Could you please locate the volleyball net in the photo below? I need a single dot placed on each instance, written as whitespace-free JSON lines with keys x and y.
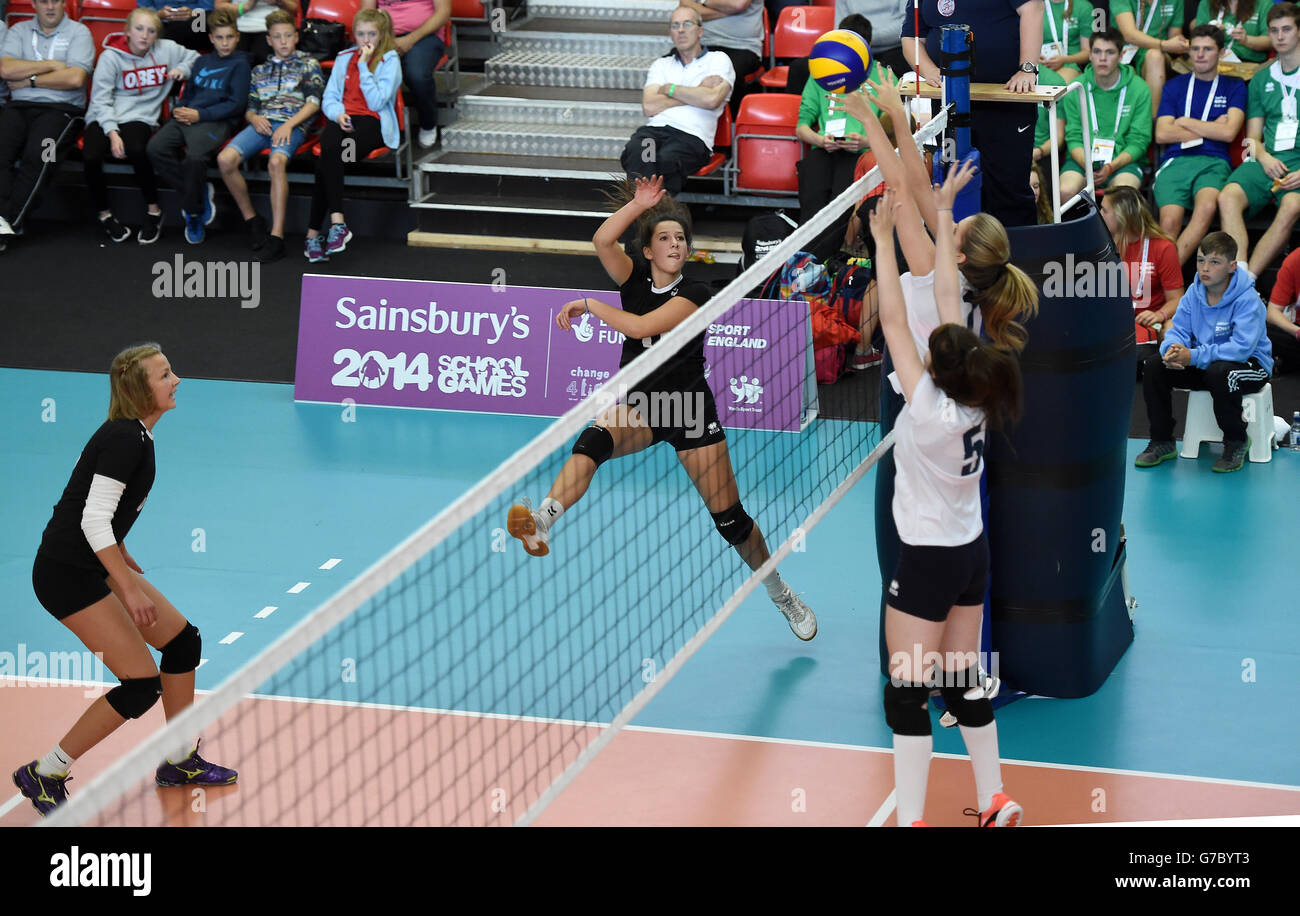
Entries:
{"x":460,"y":681}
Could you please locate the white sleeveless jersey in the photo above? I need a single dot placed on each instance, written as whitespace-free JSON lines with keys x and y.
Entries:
{"x":923,"y":313}
{"x":939,"y":454}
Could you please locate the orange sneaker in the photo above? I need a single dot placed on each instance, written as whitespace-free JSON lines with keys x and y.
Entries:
{"x":920,"y":824}
{"x":521,"y":522}
{"x":1002,"y":813}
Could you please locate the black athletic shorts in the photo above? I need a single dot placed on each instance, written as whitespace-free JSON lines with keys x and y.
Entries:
{"x":929,"y":581}
{"x":63,"y":590}
{"x":685,"y":417}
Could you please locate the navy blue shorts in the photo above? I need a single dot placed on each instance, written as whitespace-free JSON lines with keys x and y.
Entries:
{"x":929,"y":581}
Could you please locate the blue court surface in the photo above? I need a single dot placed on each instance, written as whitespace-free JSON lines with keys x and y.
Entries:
{"x":271,"y":491}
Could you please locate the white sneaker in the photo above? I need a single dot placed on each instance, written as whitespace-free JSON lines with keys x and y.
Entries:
{"x":802,"y":621}
{"x":428,"y":137}
{"x":5,"y":228}
{"x":522,"y":522}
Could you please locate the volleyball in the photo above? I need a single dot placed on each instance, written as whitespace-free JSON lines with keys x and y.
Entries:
{"x":839,"y":61}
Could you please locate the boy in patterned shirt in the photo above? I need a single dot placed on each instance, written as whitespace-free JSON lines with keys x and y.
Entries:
{"x":283,"y":97}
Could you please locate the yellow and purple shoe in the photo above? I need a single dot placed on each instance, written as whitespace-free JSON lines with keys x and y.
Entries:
{"x":194,"y":771}
{"x":1002,"y":813}
{"x":44,"y":792}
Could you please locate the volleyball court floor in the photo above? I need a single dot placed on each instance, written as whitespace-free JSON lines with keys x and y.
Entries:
{"x":757,"y":728}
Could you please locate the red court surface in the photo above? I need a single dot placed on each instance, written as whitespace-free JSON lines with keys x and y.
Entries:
{"x":383,"y":764}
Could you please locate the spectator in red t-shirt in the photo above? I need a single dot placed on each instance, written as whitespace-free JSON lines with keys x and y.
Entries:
{"x":1155,"y":279}
{"x":1283,"y":329}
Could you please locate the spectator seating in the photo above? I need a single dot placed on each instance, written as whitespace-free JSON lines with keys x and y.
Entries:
{"x":470,"y":10}
{"x":766,"y":149}
{"x":797,"y":29}
{"x":399,"y":107}
{"x":721,"y":140}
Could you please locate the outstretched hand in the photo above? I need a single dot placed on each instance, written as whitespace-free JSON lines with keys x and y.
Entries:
{"x":885,"y":95}
{"x":854,"y":104}
{"x":958,"y":177}
{"x":569,"y":311}
{"x":649,"y":191}
{"x":882,"y":218}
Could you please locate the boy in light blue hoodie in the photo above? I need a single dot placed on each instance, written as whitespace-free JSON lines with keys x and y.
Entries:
{"x":1218,"y":344}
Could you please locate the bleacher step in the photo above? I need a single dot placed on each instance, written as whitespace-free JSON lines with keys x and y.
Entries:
{"x":583,"y":71}
{"x":622,"y":10}
{"x":625,"y":116}
{"x":585,"y":44}
{"x":576,"y":141}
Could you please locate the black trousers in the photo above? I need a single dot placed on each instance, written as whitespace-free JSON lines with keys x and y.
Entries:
{"x":1004,"y":134}
{"x":1226,"y":382}
{"x":198,"y":144}
{"x":1286,"y":351}
{"x":666,"y":151}
{"x":336,"y":152}
{"x":135,"y":137}
{"x":822,"y":176}
{"x":26,"y":129}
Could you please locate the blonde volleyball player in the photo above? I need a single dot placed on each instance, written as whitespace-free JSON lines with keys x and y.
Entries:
{"x":656,"y":297}
{"x":954,"y":393}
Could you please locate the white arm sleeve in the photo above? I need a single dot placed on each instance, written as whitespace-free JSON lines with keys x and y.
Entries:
{"x":97,"y":516}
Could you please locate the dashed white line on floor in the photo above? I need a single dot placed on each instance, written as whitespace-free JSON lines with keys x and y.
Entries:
{"x":331,"y":563}
{"x":299,"y":587}
{"x":266,"y":611}
{"x":231,"y":637}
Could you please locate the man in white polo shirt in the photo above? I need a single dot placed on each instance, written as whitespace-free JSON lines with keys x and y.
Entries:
{"x":684,"y":95}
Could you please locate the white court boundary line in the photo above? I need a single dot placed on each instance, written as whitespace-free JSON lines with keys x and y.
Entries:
{"x":135,"y":767}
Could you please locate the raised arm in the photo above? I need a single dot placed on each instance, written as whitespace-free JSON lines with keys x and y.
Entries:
{"x":649,"y":191}
{"x":893,"y":309}
{"x":947,"y":287}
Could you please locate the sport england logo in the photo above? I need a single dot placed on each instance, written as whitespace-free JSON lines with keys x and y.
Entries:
{"x":746,"y":390}
{"x":734,"y":335}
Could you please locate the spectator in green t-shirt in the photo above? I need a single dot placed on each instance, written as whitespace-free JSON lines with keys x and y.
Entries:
{"x":1273,"y":174}
{"x":1155,"y":27}
{"x":835,"y":140}
{"x":1245,"y":24}
{"x":1117,"y":105}
{"x":1067,"y":29}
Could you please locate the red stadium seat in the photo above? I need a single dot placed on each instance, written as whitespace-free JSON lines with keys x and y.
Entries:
{"x":797,"y":29}
{"x":341,"y":11}
{"x":830,"y":3}
{"x":104,"y":18}
{"x":23,"y":9}
{"x":765,"y":54}
{"x":766,"y":149}
{"x":470,"y":10}
{"x":1235,"y":148}
{"x":721,"y":138}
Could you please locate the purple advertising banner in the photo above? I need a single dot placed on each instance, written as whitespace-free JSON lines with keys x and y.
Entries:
{"x":489,"y":349}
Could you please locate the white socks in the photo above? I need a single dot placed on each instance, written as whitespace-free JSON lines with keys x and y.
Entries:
{"x":55,"y":763}
{"x":775,"y":585}
{"x":181,"y":752}
{"x":911,"y":773}
{"x":548,"y":512}
{"x":982,"y":745}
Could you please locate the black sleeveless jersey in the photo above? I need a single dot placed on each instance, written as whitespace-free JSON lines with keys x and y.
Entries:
{"x":122,"y":450}
{"x":684,"y":370}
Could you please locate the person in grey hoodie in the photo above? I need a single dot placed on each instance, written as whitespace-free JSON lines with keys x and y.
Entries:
{"x":1217,"y":344}
{"x":132,"y":80}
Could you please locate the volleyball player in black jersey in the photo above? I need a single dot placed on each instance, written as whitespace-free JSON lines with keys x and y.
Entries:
{"x":656,"y":297}
{"x":85,"y":577}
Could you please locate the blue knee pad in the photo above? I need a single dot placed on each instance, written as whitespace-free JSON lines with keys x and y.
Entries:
{"x":905,"y":709}
{"x":181,"y":655}
{"x":132,"y":698}
{"x":733,"y":524}
{"x":596,"y":443}
{"x":971,"y":713}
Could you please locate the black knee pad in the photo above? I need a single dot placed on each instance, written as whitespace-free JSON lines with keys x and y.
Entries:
{"x":132,"y":698}
{"x":596,"y":443}
{"x":181,"y":655}
{"x":971,"y":713}
{"x":733,"y":524}
{"x":905,"y":709}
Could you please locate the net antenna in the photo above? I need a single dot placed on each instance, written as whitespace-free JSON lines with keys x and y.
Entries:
{"x":107,"y":799}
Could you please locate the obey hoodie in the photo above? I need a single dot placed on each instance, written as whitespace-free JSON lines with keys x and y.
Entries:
{"x":129,"y":88}
{"x":1233,"y":330}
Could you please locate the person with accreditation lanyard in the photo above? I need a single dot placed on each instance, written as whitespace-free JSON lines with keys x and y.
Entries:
{"x":1067,"y":27}
{"x":1152,"y":31}
{"x":1246,"y":25}
{"x":1273,"y":174}
{"x":1117,"y":105}
{"x":1009,"y":41}
{"x":1200,"y":114}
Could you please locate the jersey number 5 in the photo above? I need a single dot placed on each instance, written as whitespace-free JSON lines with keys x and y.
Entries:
{"x":974,"y":441}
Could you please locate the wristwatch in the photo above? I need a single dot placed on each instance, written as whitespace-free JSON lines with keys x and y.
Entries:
{"x":32,"y":80}
{"x":1029,"y":67}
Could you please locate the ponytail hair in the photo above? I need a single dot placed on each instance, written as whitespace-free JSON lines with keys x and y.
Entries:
{"x":129,"y":394}
{"x":977,"y":374}
{"x":668,"y":209}
{"x":1004,"y":293}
